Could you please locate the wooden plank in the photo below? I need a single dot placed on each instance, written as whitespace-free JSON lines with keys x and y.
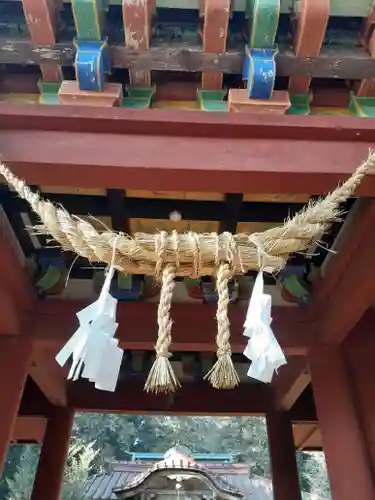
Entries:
{"x":42,"y":19}
{"x":55,"y":321}
{"x":215,"y":32}
{"x":331,"y":63}
{"x":311,"y":26}
{"x":137,"y":16}
{"x":192,"y":399}
{"x":197,"y":163}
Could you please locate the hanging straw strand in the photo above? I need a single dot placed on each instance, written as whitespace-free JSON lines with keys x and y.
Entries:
{"x":162,"y":378}
{"x":223,"y":374}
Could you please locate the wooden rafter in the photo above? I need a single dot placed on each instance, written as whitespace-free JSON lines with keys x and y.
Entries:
{"x":215,"y":31}
{"x":137,"y":17}
{"x":192,"y":399}
{"x":194,"y":327}
{"x":33,"y":144}
{"x":41,"y":17}
{"x":311,"y":26}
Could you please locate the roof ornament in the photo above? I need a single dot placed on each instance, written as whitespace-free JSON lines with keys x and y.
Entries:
{"x":190,"y":254}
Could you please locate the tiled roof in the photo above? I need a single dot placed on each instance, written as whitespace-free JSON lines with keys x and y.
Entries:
{"x":232,"y":478}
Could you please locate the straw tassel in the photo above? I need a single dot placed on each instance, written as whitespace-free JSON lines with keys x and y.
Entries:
{"x":162,"y":378}
{"x":223,"y":374}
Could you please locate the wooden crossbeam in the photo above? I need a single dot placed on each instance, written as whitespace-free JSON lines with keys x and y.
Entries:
{"x":310,"y":30}
{"x":366,"y":87}
{"x":194,"y":326}
{"x":42,"y":18}
{"x":332,"y":62}
{"x":191,"y":399}
{"x":32,"y":136}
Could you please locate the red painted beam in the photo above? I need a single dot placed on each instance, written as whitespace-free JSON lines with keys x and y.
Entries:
{"x":192,"y":399}
{"x":194,"y":326}
{"x":211,"y":151}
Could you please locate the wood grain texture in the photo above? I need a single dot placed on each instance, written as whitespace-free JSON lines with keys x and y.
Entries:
{"x":309,"y":34}
{"x":331,"y":63}
{"x":215,"y":32}
{"x":137,"y":16}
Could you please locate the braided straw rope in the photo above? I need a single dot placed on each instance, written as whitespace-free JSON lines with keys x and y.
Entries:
{"x":223,"y":375}
{"x":162,"y":377}
{"x":137,"y":255}
{"x":193,"y":255}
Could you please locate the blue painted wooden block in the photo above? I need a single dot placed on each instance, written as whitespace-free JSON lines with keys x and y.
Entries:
{"x":50,"y":275}
{"x":127,"y":288}
{"x":92,"y":64}
{"x":259,"y":70}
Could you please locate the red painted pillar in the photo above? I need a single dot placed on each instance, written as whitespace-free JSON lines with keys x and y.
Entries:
{"x":344,"y":444}
{"x":359,"y":348}
{"x":53,"y":455}
{"x":15,"y":356}
{"x":284,"y":469}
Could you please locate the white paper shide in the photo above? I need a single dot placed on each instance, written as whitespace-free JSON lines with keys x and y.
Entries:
{"x":95,"y":353}
{"x":262,"y":347}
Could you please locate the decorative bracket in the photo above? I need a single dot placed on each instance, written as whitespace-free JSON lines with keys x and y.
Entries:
{"x":362,"y":106}
{"x":259,"y":71}
{"x":138,"y":97}
{"x":212,"y":100}
{"x":92,"y":64}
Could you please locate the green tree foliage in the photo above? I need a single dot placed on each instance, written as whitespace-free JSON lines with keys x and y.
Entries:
{"x":80,"y":459}
{"x":115,"y":436}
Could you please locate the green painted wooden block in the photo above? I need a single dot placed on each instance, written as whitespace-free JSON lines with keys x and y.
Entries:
{"x":89,"y":18}
{"x":299,"y":104}
{"x":264,"y":20}
{"x":49,"y":92}
{"x":362,"y":106}
{"x":138,"y":97}
{"x":212,"y":100}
